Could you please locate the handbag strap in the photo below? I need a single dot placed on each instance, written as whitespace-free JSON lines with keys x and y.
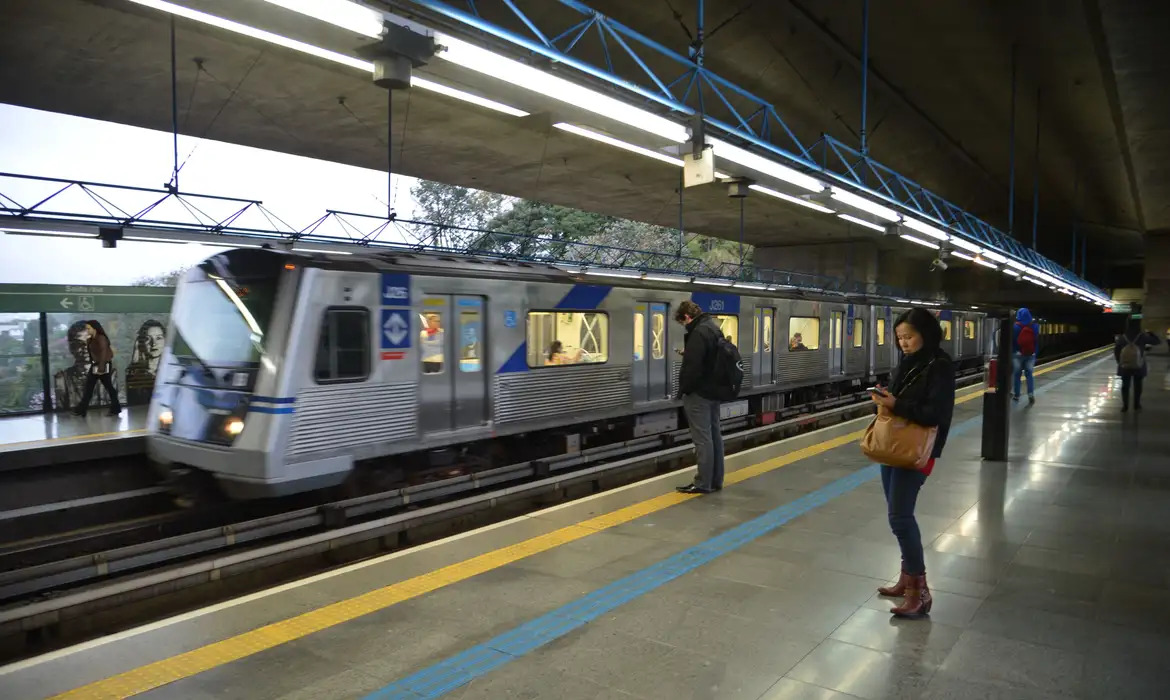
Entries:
{"x":914,"y":378}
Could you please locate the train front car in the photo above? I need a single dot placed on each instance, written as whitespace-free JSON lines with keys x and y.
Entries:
{"x":217,"y":407}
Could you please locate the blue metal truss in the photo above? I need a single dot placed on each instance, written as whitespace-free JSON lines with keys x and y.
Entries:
{"x":144,"y":212}
{"x":664,"y":78}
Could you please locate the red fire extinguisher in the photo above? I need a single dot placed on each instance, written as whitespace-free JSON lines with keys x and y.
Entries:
{"x":991,"y":374}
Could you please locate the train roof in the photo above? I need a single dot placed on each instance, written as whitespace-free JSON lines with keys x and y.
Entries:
{"x":455,"y":265}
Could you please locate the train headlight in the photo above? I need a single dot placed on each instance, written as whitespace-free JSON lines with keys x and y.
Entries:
{"x":166,"y":418}
{"x":233,"y":426}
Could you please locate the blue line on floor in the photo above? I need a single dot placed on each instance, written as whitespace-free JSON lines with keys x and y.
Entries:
{"x":479,"y":660}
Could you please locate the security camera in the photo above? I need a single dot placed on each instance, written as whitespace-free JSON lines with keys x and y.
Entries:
{"x":938,"y":264}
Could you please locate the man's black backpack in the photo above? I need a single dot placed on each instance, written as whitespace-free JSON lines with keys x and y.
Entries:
{"x":727,"y":370}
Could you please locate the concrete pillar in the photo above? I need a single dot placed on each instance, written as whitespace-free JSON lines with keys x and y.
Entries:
{"x":1156,"y":307}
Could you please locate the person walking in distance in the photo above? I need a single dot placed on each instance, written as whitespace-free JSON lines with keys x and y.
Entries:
{"x":101,"y":357}
{"x":1025,"y":337}
{"x":922,"y":391}
{"x":707,"y":377}
{"x":1130,"y":353}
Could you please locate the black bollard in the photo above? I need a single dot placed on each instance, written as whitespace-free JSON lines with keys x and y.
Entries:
{"x":997,"y":395}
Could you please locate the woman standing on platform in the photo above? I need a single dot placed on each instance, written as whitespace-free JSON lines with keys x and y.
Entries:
{"x":922,"y":390}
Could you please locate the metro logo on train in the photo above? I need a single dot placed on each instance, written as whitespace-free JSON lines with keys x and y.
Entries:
{"x":395,"y":289}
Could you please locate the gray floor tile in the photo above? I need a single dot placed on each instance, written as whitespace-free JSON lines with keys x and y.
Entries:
{"x":928,"y":640}
{"x":862,"y":672}
{"x":790,"y":689}
{"x":978,"y":656}
{"x":1035,"y":626}
{"x":944,"y":686}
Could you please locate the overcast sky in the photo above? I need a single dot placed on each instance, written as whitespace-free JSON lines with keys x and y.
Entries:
{"x":32,"y":142}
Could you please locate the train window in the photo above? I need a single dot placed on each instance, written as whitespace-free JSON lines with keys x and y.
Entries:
{"x":804,"y":333}
{"x":431,"y":343}
{"x":969,"y":330}
{"x":881,"y":332}
{"x":658,"y":335}
{"x":858,"y":333}
{"x":567,"y":338}
{"x":469,"y":341}
{"x":343,"y":352}
{"x":730,"y":327}
{"x":639,"y":335}
{"x":768,"y":330}
{"x":946,"y":329}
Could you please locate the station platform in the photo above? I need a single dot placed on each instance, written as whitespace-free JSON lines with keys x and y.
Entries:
{"x":59,"y":438}
{"x":1049,"y":575}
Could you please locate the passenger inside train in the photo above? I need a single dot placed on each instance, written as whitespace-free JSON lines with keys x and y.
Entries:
{"x":431,"y":343}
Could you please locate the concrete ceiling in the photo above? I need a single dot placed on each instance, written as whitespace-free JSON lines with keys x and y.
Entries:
{"x":939,"y":109}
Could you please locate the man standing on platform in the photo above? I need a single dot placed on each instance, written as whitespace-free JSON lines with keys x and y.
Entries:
{"x":696,"y":385}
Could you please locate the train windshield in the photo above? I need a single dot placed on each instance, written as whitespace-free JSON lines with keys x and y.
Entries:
{"x":222,"y":315}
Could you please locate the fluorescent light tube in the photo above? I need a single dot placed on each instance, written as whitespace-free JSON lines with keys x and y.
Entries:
{"x":965,"y":245}
{"x":319,"y":250}
{"x":992,"y":255}
{"x":624,"y":274}
{"x":860,"y":222}
{"x":496,"y":66}
{"x":1016,"y":265}
{"x":984,"y":263}
{"x":789,"y":198}
{"x":1011,"y":273}
{"x":425,"y":84}
{"x":962,"y":256}
{"x":864,"y":204}
{"x":924,"y":228}
{"x":750,"y":285}
{"x":197,"y":16}
{"x":667,"y":278}
{"x":714,"y":282}
{"x":590,"y":134}
{"x":919,"y":241}
{"x":760,"y":164}
{"x":340,"y":13}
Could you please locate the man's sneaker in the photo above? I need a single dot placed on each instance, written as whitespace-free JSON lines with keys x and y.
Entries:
{"x":1015,"y":397}
{"x":1031,"y":400}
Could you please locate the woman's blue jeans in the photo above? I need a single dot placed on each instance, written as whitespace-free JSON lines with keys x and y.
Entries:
{"x":901,"y":487}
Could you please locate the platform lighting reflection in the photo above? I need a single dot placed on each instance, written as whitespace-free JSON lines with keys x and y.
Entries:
{"x":618,"y":143}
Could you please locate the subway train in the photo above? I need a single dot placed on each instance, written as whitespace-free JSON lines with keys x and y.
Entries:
{"x":284,"y":371}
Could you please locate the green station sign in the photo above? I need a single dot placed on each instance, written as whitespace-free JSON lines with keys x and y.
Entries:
{"x":74,"y":299}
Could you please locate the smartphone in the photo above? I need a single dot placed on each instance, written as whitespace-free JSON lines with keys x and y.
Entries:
{"x":876,"y":390}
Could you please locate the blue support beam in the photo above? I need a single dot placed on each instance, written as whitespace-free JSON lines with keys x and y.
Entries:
{"x":771,"y":138}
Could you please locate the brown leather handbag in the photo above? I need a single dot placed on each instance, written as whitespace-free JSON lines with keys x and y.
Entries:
{"x":896,"y":441}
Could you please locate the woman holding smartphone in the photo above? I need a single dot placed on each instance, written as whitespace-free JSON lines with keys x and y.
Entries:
{"x":922,"y":390}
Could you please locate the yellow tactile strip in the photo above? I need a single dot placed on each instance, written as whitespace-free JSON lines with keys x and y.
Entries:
{"x":187,"y":664}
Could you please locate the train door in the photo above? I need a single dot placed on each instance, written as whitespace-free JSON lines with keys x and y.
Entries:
{"x":763,"y":364}
{"x":836,"y":344}
{"x":651,"y":371}
{"x":452,"y":384}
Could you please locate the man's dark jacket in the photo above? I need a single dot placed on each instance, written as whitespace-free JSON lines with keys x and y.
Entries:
{"x":700,"y":345}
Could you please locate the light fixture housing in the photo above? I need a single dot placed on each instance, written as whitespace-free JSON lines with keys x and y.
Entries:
{"x":789,"y":198}
{"x":750,"y":160}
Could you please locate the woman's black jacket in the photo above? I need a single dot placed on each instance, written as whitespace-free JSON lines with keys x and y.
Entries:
{"x":926,"y":394}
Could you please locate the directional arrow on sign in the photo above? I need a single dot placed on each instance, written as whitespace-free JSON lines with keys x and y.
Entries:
{"x":66,"y":303}
{"x":395,"y":329}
